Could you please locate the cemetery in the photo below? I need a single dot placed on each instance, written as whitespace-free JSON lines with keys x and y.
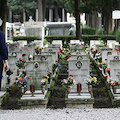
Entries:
{"x":76,"y":76}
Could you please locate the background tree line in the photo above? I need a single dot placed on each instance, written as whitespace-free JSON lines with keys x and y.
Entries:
{"x":90,"y":7}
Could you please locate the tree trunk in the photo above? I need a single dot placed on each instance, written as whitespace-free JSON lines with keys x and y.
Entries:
{"x":44,"y":9}
{"x":77,"y":17}
{"x":40,"y":10}
{"x":107,"y":22}
{"x":3,"y":6}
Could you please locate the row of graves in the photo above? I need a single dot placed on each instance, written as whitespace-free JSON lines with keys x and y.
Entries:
{"x":31,"y":68}
{"x":108,"y":60}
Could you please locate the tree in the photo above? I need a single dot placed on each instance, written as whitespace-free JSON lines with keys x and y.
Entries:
{"x":18,"y":6}
{"x":3,"y":6}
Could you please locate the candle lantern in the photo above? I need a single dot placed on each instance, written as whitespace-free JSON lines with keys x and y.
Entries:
{"x":32,"y":89}
{"x":79,"y":88}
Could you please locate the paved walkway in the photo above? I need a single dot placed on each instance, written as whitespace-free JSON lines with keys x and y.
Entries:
{"x":61,"y":114}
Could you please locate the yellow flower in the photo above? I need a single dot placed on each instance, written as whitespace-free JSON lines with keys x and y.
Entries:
{"x":45,"y":79}
{"x":46,"y":76}
{"x":103,"y":63}
{"x":94,"y":79}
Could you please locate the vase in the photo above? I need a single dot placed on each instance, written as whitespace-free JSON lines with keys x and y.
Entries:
{"x":22,"y":90}
{"x":114,"y":89}
{"x":89,"y":88}
{"x":18,"y":72}
{"x":8,"y":80}
{"x":68,"y":89}
{"x":43,"y":88}
{"x":49,"y":80}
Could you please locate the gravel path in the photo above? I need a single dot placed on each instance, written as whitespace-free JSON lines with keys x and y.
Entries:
{"x":61,"y":114}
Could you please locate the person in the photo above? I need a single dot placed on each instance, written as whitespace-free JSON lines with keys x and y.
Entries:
{"x":3,"y":55}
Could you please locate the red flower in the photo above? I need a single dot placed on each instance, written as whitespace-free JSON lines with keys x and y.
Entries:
{"x":113,"y":84}
{"x":71,"y":75}
{"x":48,"y":71}
{"x":108,"y":70}
{"x":105,"y":59}
{"x":28,"y":78}
{"x":61,"y":51}
{"x":118,"y":83}
{"x":23,"y":54}
{"x":109,"y":83}
{"x":14,"y":83}
{"x":20,"y":59}
{"x":106,"y":76}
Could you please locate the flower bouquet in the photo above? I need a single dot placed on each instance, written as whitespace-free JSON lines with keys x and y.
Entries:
{"x":91,"y":81}
{"x":49,"y":74}
{"x":21,"y":63}
{"x":43,"y":83}
{"x":69,"y":82}
{"x":113,"y":83}
{"x":38,"y":49}
{"x":44,"y":80}
{"x":9,"y":72}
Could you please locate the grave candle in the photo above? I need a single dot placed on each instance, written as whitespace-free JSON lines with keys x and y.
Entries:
{"x":32,"y":89}
{"x":79,"y":88}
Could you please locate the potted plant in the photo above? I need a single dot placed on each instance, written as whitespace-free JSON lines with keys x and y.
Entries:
{"x":113,"y":83}
{"x":91,"y":81}
{"x":9,"y":73}
{"x":69,"y":83}
{"x":49,"y":74}
{"x":43,"y":83}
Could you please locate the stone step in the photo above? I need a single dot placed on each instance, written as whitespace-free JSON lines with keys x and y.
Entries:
{"x":56,"y":103}
{"x":102,"y":102}
{"x":62,"y":76}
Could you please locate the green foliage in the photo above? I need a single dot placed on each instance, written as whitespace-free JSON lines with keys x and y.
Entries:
{"x":101,"y":31}
{"x":85,"y":38}
{"x":88,"y":31}
{"x":118,"y":35}
{"x":111,"y":32}
{"x":45,"y":42}
{"x":26,"y":38}
{"x":18,"y":6}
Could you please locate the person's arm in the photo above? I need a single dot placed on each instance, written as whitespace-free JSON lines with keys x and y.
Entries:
{"x":4,"y":51}
{"x":5,"y":66}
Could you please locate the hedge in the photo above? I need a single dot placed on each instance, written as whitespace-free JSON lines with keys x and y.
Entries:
{"x":85,"y":38}
{"x":26,"y":38}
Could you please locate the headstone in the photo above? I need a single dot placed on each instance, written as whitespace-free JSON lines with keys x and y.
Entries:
{"x":111,"y":43}
{"x":79,"y":68}
{"x":59,"y":42}
{"x":115,"y":68}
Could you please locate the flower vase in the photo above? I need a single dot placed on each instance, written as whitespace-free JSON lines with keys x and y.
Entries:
{"x":68,"y":89}
{"x":8,"y":80}
{"x":114,"y":89}
{"x":22,"y":90}
{"x":104,"y":70}
{"x":18,"y":72}
{"x":89,"y":88}
{"x":43,"y":88}
{"x":49,"y":80}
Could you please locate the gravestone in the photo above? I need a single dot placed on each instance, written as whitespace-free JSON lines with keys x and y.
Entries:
{"x":107,"y":53}
{"x":93,"y":43}
{"x":115,"y":67}
{"x":36,"y":70}
{"x":111,"y":44}
{"x":59,"y":42}
{"x":79,"y":68}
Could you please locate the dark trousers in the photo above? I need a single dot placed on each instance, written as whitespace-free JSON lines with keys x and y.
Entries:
{"x":1,"y":70}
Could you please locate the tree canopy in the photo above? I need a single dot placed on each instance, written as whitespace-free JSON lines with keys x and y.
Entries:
{"x":18,"y":6}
